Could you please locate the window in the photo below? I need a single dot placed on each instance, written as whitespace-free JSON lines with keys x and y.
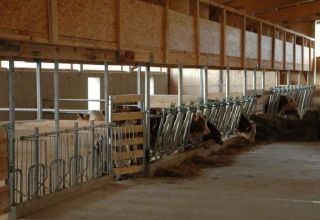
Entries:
{"x":94,"y":93}
{"x":152,"y":86}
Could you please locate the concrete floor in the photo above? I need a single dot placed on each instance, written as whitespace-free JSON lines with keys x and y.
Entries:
{"x":275,"y":181}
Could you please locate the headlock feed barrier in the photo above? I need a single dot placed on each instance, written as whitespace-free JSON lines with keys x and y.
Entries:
{"x":175,"y":123}
{"x":49,"y":162}
{"x":301,"y":94}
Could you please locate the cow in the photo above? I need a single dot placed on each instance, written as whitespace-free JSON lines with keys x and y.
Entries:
{"x":287,"y":107}
{"x":246,"y":129}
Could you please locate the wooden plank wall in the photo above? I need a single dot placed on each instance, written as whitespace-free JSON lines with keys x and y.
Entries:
{"x":164,"y":33}
{"x":4,"y":194}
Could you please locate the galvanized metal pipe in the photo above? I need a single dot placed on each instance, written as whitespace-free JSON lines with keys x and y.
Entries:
{"x":39,"y":94}
{"x":139,"y":84}
{"x":205,"y":85}
{"x":277,"y":78}
{"x":244,"y":83}
{"x":106,"y":93}
{"x":263,"y":82}
{"x":288,"y":77}
{"x":254,"y":82}
{"x":56,"y":107}
{"x":11,"y":133}
{"x":221,"y":81}
{"x":180,"y":87}
{"x":201,"y":84}
{"x":227,"y":94}
{"x":76,"y":152}
{"x":299,"y":78}
{"x":147,"y":112}
{"x":37,"y":148}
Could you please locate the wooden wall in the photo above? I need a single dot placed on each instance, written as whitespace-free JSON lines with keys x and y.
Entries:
{"x":166,"y":33}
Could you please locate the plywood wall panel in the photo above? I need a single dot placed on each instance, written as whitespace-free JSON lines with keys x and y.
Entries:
{"x":266,"y":48}
{"x":181,"y":35}
{"x":210,"y":37}
{"x":306,"y":58}
{"x":233,"y":40}
{"x":92,"y":20}
{"x":141,"y":25}
{"x":278,"y":50}
{"x":24,"y":17}
{"x":251,"y":45}
{"x":289,"y":52}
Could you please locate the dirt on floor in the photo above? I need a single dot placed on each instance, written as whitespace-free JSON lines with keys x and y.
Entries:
{"x":285,"y":129}
{"x":193,"y":167}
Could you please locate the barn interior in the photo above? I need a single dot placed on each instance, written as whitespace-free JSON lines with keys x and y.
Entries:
{"x":153,"y":109}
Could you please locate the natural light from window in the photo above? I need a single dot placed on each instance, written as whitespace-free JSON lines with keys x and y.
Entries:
{"x":93,"y":93}
{"x":317,"y":30}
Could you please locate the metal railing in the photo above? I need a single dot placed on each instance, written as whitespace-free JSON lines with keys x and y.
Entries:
{"x":49,"y":162}
{"x":301,"y":95}
{"x":175,"y":123}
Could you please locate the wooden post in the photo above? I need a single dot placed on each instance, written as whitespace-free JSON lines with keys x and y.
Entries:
{"x":195,"y":10}
{"x":223,"y":33}
{"x":284,"y":50}
{"x":259,"y":44}
{"x":53,"y":21}
{"x":273,"y":48}
{"x":165,"y":30}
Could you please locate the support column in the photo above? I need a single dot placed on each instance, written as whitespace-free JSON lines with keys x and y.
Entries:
{"x":254,"y":82}
{"x":263,"y":81}
{"x":39,"y":95}
{"x":56,"y":107}
{"x":308,"y":78}
{"x":227,"y":94}
{"x":221,"y":81}
{"x":11,"y":134}
{"x":205,"y":85}
{"x":299,"y":78}
{"x":277,"y":78}
{"x":201,"y":84}
{"x":106,"y":93}
{"x":180,"y":89}
{"x":147,"y":112}
{"x":139,"y":84}
{"x":288,"y":77}
{"x":244,"y":83}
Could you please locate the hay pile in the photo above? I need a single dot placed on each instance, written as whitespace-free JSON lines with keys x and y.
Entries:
{"x":192,"y":167}
{"x":282,"y":129}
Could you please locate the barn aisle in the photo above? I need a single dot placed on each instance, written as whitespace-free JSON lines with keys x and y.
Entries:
{"x":275,"y":181}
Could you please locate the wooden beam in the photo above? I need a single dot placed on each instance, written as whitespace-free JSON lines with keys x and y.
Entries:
{"x":252,"y":6}
{"x":165,"y":30}
{"x":298,"y":11}
{"x":302,"y":53}
{"x":259,"y":44}
{"x":53,"y":21}
{"x":284,"y":50}
{"x":273,"y":47}
{"x":223,"y":34}
{"x":243,"y":42}
{"x":195,"y":11}
{"x":294,"y":51}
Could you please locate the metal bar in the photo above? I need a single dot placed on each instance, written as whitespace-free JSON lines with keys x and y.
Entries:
{"x":263,"y":82}
{"x":93,"y":159}
{"x":147,"y":113}
{"x":39,"y":95}
{"x":227,"y":94}
{"x":37,"y":145}
{"x":254,"y":83}
{"x":56,"y":107}
{"x":299,"y":78}
{"x":277,"y":78}
{"x":76,"y":152}
{"x":205,"y":85}
{"x":11,"y":132}
{"x":244,"y":83}
{"x":308,"y":78}
{"x":201,"y":84}
{"x":45,"y":110}
{"x":288,"y":77}
{"x":180,"y":89}
{"x":221,"y":81}
{"x":106,"y":93}
{"x":139,"y":84}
